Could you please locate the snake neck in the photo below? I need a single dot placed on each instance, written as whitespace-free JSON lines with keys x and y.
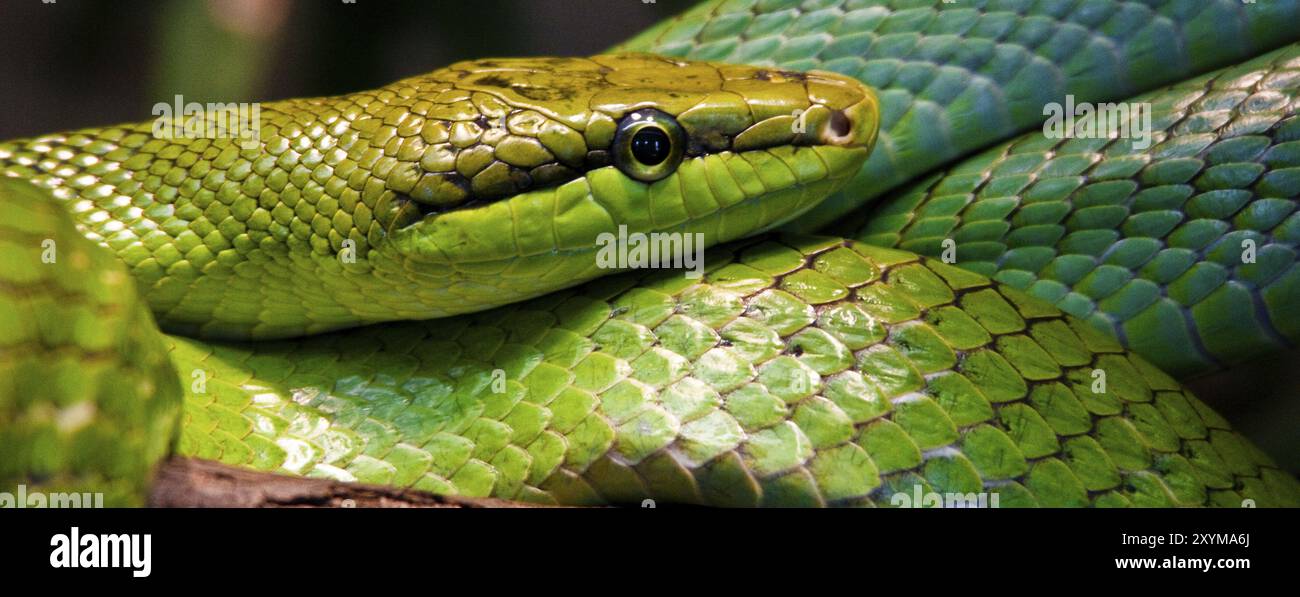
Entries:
{"x":275,"y":230}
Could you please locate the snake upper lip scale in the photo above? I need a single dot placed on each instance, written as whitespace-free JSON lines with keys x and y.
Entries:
{"x":403,"y":286}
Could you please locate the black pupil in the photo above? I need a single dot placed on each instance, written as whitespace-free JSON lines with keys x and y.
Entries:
{"x":650,"y":146}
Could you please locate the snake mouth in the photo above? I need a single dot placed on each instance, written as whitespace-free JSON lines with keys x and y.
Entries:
{"x":736,"y":194}
{"x":410,"y":213}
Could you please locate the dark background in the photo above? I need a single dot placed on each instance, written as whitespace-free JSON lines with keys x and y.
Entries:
{"x":78,"y":63}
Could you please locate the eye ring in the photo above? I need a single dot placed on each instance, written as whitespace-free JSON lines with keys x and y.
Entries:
{"x":648,"y":145}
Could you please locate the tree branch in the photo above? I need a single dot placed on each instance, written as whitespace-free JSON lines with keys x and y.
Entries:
{"x":189,"y":483}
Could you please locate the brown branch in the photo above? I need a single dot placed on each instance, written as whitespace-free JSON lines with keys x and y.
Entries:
{"x":188,"y":483}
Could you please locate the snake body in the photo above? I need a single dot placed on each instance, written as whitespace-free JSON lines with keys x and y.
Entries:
{"x":1147,"y":245}
{"x":800,"y":370}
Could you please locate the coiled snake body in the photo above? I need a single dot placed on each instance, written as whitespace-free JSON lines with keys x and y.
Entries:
{"x":382,"y":288}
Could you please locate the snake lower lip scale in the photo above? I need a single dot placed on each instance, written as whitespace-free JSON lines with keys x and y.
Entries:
{"x":400,"y":286}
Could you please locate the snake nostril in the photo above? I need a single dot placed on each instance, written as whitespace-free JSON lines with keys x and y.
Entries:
{"x":839,"y":126}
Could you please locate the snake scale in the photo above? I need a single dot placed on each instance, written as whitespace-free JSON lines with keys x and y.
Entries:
{"x":470,"y":344}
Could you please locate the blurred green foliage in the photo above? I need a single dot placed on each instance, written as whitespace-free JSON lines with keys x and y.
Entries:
{"x":79,"y":63}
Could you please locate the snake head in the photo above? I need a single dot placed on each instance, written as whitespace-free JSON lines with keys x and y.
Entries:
{"x":477,"y":185}
{"x":507,"y":171}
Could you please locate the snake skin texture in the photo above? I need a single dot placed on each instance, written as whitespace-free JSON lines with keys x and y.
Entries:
{"x":88,"y":400}
{"x":956,"y":77}
{"x":450,"y":187}
{"x":1148,"y":244}
{"x":800,"y":371}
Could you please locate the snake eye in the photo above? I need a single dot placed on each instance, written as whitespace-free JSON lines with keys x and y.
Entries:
{"x":651,"y":146}
{"x":648,"y":145}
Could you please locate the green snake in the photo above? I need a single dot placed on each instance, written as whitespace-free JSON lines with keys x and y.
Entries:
{"x":402,"y":286}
